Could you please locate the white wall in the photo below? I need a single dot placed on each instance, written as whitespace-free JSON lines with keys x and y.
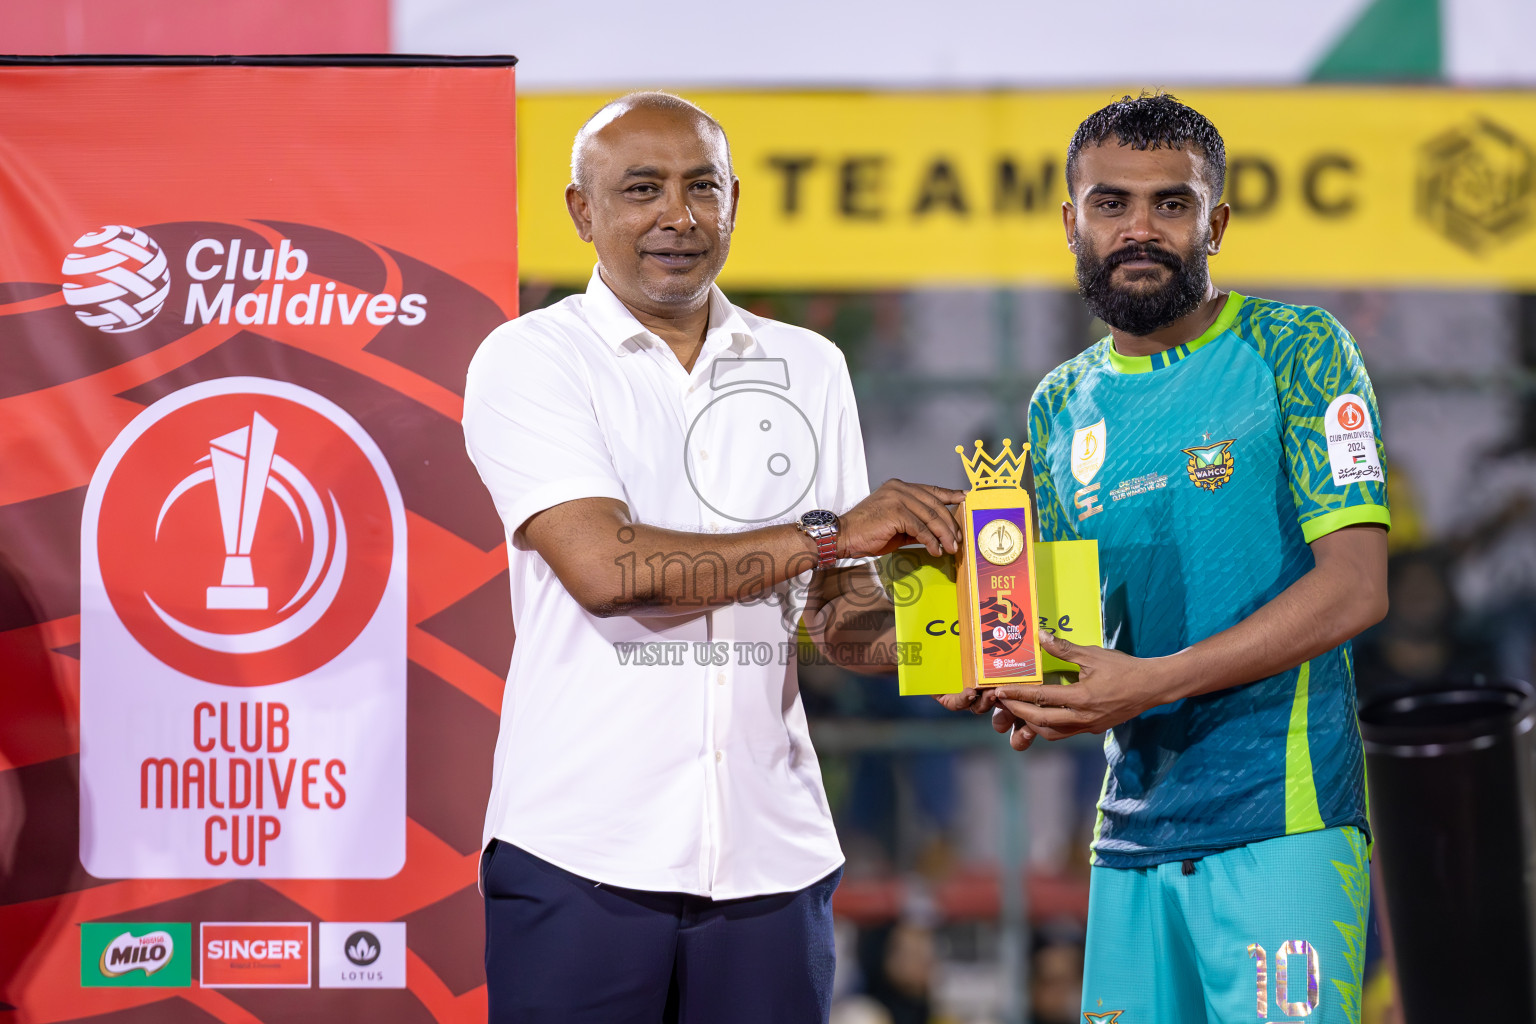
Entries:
{"x":618,"y":44}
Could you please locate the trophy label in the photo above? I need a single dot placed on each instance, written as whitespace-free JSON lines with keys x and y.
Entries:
{"x":1004,"y":593}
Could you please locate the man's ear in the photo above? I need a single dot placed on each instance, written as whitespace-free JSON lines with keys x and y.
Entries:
{"x":581,"y":212}
{"x":1069,"y":222}
{"x":1220,"y":217}
{"x":735,"y":201}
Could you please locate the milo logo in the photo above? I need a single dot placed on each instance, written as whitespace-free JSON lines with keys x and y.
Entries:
{"x":135,"y":955}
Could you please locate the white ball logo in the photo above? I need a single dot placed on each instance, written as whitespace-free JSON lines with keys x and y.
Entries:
{"x":117,"y":279}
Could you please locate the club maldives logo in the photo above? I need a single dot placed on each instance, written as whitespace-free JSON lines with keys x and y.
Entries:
{"x":242,"y":642}
{"x":117,"y":279}
{"x":114,"y":954}
{"x":243,"y":466}
{"x":1088,"y":450}
{"x":1352,"y":454}
{"x":1351,"y":416}
{"x":224,"y":555}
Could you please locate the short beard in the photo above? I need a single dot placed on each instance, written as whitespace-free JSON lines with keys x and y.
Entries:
{"x":1141,"y":313}
{"x":673,"y":292}
{"x":680,"y":291}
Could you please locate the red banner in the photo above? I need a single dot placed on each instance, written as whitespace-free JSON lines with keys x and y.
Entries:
{"x":253,"y":609}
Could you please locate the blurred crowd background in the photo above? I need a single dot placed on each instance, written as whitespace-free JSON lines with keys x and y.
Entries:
{"x":965,"y":893}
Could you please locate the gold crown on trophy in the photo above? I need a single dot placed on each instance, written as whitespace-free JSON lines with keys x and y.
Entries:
{"x":1005,"y":470}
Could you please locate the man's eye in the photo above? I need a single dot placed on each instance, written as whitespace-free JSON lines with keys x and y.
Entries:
{"x":643,"y":189}
{"x":705,"y":186}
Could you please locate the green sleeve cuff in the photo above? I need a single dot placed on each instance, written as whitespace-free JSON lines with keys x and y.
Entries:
{"x":1328,"y":522}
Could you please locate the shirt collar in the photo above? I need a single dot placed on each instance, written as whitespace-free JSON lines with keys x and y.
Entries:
{"x":1161,"y":360}
{"x":727,"y":330}
{"x":615,"y":324}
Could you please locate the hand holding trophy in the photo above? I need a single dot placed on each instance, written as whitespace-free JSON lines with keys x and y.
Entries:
{"x":971,"y":619}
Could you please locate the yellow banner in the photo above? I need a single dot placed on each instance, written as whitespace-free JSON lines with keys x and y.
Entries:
{"x":1329,"y":187}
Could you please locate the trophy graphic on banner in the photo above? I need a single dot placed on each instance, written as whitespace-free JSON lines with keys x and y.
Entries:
{"x":242,"y":459}
{"x":995,"y":572}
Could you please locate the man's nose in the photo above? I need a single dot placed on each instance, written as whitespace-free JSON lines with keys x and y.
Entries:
{"x":1140,"y":226}
{"x":675,"y":212}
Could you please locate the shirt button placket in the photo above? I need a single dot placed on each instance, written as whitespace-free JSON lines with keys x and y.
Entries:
{"x":717,"y":699}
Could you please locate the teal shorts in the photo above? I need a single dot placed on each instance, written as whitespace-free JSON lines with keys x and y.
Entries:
{"x":1273,"y":931}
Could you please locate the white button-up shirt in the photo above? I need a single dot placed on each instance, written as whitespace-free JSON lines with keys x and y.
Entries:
{"x":666,"y":753}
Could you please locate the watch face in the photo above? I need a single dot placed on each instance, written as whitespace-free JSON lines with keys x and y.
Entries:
{"x":818,"y":517}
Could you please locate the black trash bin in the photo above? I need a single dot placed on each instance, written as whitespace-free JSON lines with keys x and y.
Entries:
{"x":1452,"y":774}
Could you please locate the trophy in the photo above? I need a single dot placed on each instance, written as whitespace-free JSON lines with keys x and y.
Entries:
{"x":242,"y":460}
{"x":995,"y":572}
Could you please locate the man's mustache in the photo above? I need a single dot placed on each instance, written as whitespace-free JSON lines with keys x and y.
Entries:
{"x":1143,"y":252}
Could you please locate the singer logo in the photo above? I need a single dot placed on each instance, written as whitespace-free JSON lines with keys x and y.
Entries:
{"x":244,"y":535}
{"x":255,"y":954}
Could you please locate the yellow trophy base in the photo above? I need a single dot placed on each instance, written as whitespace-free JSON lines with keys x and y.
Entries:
{"x":923,"y":588}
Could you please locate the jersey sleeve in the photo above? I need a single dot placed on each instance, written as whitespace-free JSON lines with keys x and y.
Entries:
{"x":1053,"y":518}
{"x":1334,"y":454}
{"x":531,"y":429}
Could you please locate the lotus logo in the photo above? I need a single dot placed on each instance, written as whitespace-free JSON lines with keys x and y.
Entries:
{"x":362,"y":948}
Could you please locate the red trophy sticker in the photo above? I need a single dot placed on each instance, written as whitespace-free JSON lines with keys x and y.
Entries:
{"x":1004,"y":593}
{"x":243,"y":642}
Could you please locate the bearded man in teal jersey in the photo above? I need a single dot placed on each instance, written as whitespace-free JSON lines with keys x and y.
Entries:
{"x":1225,"y":452}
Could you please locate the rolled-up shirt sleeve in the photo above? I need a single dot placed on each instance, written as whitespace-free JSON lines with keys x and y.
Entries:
{"x":531,"y":429}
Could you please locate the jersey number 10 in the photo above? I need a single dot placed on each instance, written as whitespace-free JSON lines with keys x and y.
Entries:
{"x":1282,"y":977}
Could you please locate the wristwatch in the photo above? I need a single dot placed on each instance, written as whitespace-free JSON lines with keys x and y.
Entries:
{"x":821,"y":526}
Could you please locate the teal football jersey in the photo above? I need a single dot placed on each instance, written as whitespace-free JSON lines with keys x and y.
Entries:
{"x":1204,"y":472}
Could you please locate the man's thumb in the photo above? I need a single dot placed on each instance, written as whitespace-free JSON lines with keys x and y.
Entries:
{"x":1055,"y":644}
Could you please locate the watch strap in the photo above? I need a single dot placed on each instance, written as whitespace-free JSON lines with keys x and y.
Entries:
{"x":826,"y":549}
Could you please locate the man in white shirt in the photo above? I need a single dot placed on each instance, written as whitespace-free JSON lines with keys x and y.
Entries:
{"x":658,"y":843}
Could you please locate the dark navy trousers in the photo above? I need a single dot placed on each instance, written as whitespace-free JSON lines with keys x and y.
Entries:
{"x":562,"y":948}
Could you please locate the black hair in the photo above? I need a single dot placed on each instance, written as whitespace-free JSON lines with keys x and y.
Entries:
{"x":1153,"y":121}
